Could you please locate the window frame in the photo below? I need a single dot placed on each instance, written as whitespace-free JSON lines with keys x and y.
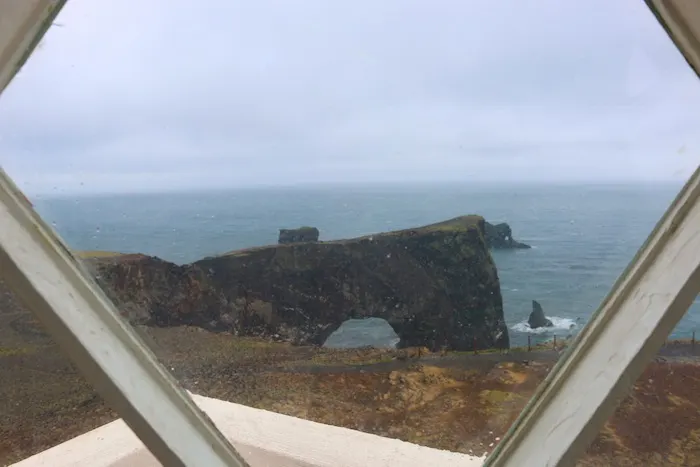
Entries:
{"x":558,"y":423}
{"x":47,"y":278}
{"x":572,"y":404}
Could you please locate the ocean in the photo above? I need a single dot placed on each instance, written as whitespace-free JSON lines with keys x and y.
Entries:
{"x":583,"y":236}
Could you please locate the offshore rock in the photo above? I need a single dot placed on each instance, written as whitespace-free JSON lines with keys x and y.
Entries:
{"x":436,"y":285}
{"x":302,"y":234}
{"x":537,"y":318}
{"x":500,"y":236}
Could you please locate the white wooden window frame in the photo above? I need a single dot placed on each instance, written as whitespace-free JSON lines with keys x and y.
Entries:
{"x":44,"y":274}
{"x":562,"y":418}
{"x":644,"y":305}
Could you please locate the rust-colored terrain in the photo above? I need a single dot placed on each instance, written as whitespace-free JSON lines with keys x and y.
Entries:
{"x":456,"y":401}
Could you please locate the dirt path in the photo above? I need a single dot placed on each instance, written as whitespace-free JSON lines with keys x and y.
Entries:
{"x":481,"y":362}
{"x":681,"y":352}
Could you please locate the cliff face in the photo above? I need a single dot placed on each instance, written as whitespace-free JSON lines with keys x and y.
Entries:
{"x":436,"y":285}
{"x":148,"y":290}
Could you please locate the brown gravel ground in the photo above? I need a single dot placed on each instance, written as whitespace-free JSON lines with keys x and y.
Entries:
{"x":456,"y":401}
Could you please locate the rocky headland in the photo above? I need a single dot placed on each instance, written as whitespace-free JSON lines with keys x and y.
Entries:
{"x":498,"y":236}
{"x":436,"y":285}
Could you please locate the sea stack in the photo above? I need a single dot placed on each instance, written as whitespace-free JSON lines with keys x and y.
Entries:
{"x":537,"y":318}
{"x":500,"y":237}
{"x":302,"y":234}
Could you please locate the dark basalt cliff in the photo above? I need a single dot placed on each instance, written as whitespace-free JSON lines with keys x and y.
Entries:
{"x":436,"y":285}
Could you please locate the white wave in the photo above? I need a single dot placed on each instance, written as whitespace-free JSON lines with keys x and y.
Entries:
{"x":559,"y":325}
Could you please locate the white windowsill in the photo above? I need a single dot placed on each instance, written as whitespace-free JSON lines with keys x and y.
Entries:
{"x":263,"y":438}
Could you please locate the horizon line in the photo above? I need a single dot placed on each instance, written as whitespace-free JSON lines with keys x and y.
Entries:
{"x":57,"y":193}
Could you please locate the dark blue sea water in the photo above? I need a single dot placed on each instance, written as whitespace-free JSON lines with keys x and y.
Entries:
{"x":582,"y":236}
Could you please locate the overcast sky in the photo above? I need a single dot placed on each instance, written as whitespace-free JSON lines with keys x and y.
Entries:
{"x":134,"y":95}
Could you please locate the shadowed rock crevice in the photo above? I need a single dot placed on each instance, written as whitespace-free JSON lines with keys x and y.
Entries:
{"x":436,"y":285}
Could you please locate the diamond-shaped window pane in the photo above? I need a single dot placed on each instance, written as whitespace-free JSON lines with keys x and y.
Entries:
{"x":289,"y":226}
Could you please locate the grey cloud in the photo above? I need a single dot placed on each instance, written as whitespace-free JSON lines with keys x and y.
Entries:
{"x":130,"y":95}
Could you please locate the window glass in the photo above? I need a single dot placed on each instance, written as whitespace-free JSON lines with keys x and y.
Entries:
{"x":387,"y":217}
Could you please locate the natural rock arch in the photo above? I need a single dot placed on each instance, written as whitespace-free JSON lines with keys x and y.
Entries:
{"x":436,"y":285}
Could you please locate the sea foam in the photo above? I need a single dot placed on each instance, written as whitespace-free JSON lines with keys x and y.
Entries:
{"x":560,"y":325}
